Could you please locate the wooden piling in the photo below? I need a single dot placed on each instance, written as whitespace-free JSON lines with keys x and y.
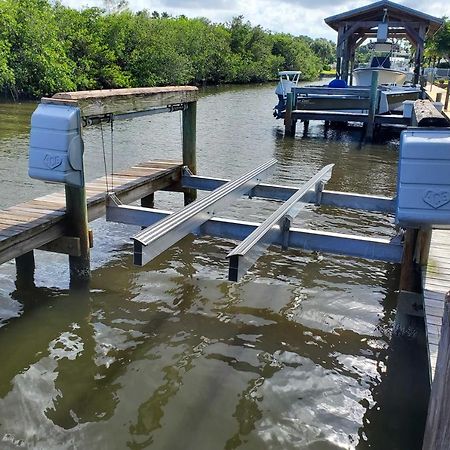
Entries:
{"x":189,"y":145}
{"x":447,"y":95}
{"x":25,"y":267}
{"x":437,"y":430}
{"x":409,"y":274}
{"x":77,"y":222}
{"x":372,"y":106}
{"x":148,"y":201}
{"x":289,"y":121}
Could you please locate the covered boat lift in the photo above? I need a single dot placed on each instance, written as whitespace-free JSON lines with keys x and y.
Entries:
{"x":356,"y":26}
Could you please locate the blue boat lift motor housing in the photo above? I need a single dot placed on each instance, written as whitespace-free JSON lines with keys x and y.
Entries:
{"x":56,"y":146}
{"x":423,"y":185}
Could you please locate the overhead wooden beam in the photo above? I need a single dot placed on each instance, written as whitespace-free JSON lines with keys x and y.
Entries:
{"x":121,"y":101}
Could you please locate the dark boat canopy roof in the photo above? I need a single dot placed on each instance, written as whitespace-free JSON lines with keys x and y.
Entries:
{"x":398,"y":16}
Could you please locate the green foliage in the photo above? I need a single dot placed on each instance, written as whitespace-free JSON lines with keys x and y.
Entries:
{"x":36,"y":58}
{"x":438,"y":47}
{"x":46,"y":47}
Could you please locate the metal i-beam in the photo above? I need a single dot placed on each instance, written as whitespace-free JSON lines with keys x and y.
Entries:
{"x":278,"y":192}
{"x":378,"y":249}
{"x":152,"y":241}
{"x":248,"y":251}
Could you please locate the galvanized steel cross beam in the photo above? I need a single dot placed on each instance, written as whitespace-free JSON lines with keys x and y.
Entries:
{"x":249,"y":250}
{"x":152,"y":241}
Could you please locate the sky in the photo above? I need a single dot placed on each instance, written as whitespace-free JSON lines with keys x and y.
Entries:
{"x":287,"y":16}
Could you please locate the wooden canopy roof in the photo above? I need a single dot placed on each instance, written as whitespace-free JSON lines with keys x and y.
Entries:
{"x":399,"y":17}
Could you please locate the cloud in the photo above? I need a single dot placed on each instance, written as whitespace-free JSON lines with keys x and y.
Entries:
{"x":287,"y":16}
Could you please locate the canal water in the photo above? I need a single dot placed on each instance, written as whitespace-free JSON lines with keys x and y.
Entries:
{"x":301,"y":354}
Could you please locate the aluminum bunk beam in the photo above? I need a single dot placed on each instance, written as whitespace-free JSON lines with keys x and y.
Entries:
{"x":249,"y":250}
{"x":152,"y":241}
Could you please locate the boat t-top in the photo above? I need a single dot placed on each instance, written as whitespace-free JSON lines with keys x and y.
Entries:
{"x":288,"y":80}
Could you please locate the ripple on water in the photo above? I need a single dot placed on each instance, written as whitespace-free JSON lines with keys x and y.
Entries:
{"x":298,"y":355}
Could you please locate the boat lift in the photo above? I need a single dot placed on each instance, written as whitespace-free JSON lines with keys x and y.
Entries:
{"x":164,"y":229}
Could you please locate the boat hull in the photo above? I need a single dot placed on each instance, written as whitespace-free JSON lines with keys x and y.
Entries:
{"x":363,"y":76}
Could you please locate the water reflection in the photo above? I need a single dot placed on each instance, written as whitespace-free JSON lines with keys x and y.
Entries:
{"x":297,"y":355}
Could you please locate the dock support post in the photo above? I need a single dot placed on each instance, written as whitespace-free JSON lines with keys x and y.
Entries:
{"x":148,"y":201}
{"x":189,"y":145}
{"x":77,"y":220}
{"x":437,"y":429}
{"x":25,"y":267}
{"x":372,"y":106}
{"x":447,"y":95}
{"x":409,"y":275}
{"x":289,"y":122}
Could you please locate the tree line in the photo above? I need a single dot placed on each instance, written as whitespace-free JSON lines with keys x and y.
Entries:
{"x":46,"y":47}
{"x":438,"y":47}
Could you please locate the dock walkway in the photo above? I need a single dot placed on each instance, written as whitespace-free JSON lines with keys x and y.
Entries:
{"x":32,"y":224}
{"x":432,"y":92}
{"x":436,"y":283}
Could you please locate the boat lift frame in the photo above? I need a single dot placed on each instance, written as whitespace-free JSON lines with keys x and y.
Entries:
{"x":165,"y":228}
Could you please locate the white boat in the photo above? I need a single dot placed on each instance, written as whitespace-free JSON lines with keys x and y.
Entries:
{"x":288,"y":80}
{"x":392,"y":70}
{"x":363,"y":76}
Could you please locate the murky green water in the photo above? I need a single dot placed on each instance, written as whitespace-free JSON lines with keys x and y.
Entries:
{"x":299,"y":355}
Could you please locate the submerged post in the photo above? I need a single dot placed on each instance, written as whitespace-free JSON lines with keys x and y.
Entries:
{"x":25,"y":267}
{"x":289,"y":122}
{"x":77,"y":219}
{"x":372,"y":106}
{"x":189,"y":145}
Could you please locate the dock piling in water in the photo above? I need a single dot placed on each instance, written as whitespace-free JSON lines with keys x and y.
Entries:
{"x":289,"y":120}
{"x":189,"y":145}
{"x":78,"y":224}
{"x":370,"y":128}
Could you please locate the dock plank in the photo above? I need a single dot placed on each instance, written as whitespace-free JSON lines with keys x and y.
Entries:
{"x":29,"y":225}
{"x":436,"y":284}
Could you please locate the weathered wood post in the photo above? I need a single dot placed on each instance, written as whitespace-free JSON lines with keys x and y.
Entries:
{"x":437,"y":430}
{"x":447,"y":95}
{"x":372,"y":106}
{"x":426,"y":115}
{"x":25,"y":267}
{"x":289,"y":122}
{"x":77,"y":222}
{"x":438,"y":97}
{"x":189,"y":145}
{"x":409,"y":274}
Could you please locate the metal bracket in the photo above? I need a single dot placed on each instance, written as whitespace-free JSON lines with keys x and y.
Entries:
{"x":177,"y":107}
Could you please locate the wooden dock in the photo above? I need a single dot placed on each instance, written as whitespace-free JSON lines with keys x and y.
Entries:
{"x":33,"y":224}
{"x":433,"y":92}
{"x":436,"y":283}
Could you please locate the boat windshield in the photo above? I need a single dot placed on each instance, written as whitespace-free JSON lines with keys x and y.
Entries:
{"x":381,"y":61}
